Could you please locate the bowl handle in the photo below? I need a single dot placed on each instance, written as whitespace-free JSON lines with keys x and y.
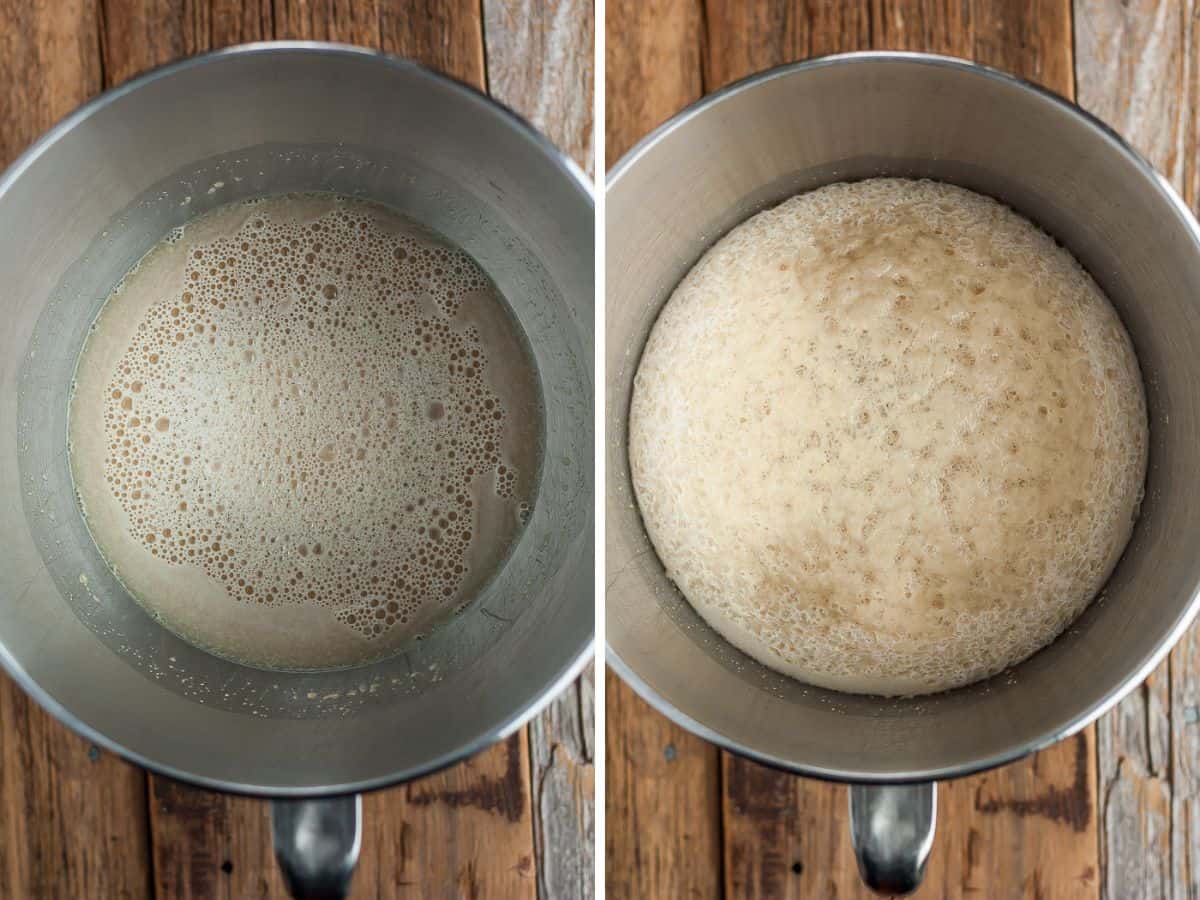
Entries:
{"x":316,"y":844}
{"x":892,"y":827}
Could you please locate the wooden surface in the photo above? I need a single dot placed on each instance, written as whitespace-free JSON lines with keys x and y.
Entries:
{"x":1115,"y":811}
{"x":1138,"y":68}
{"x":513,"y":822}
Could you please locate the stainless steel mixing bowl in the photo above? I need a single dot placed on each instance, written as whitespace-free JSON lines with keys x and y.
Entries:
{"x":849,"y":117}
{"x":78,"y":209}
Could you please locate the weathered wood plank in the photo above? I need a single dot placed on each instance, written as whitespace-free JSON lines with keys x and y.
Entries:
{"x":462,"y":833}
{"x":209,"y":845}
{"x":1028,"y":832}
{"x":73,"y":818}
{"x":539,"y":62}
{"x":1024,"y":830}
{"x":1030,"y":38}
{"x":356,"y":22}
{"x":1185,"y":765}
{"x":662,"y":802}
{"x":563,"y":785}
{"x":236,"y":22}
{"x":136,"y":35}
{"x":1191,"y":94}
{"x":652,"y":64}
{"x":1009,"y":34}
{"x":767,"y":824}
{"x":1136,"y":68}
{"x":49,"y":64}
{"x":744,"y":38}
{"x":446,"y":35}
{"x":932,"y":26}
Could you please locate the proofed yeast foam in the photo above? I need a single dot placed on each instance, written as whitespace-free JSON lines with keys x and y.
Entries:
{"x":304,"y":431}
{"x":888,"y":437}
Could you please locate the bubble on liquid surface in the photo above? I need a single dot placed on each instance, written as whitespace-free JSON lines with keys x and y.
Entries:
{"x":305,"y":410}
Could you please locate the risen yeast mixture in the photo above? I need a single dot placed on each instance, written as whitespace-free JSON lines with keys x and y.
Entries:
{"x":888,"y":437}
{"x":304,"y":431}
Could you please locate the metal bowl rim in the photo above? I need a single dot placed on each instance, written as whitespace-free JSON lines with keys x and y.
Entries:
{"x":567,"y":166}
{"x":1139,"y":673}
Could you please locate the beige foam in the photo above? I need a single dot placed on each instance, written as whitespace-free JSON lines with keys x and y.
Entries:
{"x":304,"y":431}
{"x":888,"y":437}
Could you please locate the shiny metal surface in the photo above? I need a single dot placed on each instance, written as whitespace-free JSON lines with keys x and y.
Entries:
{"x":316,"y":844}
{"x":854,"y":116}
{"x":84,"y":204}
{"x":892,"y":827}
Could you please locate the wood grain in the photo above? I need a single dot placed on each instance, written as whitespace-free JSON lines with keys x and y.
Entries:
{"x":744,"y":38}
{"x":462,"y":833}
{"x":1030,"y":38}
{"x":52,"y":53}
{"x":767,"y":823}
{"x":539,"y":62}
{"x":209,"y":845}
{"x":1185,"y":762}
{"x":662,"y":803}
{"x":1136,"y":68}
{"x":1027,"y":830}
{"x":446,"y":35}
{"x":356,"y":22}
{"x":652,"y":54}
{"x":73,"y":817}
{"x":136,"y":35}
{"x":562,"y":745}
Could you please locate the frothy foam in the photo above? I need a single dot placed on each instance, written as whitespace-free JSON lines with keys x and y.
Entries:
{"x":304,"y":431}
{"x":888,"y":437}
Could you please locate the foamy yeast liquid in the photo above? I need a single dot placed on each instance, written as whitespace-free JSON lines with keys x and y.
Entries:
{"x":304,"y":431}
{"x":888,"y":437}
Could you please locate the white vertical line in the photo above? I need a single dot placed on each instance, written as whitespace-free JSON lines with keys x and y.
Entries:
{"x":600,"y":171}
